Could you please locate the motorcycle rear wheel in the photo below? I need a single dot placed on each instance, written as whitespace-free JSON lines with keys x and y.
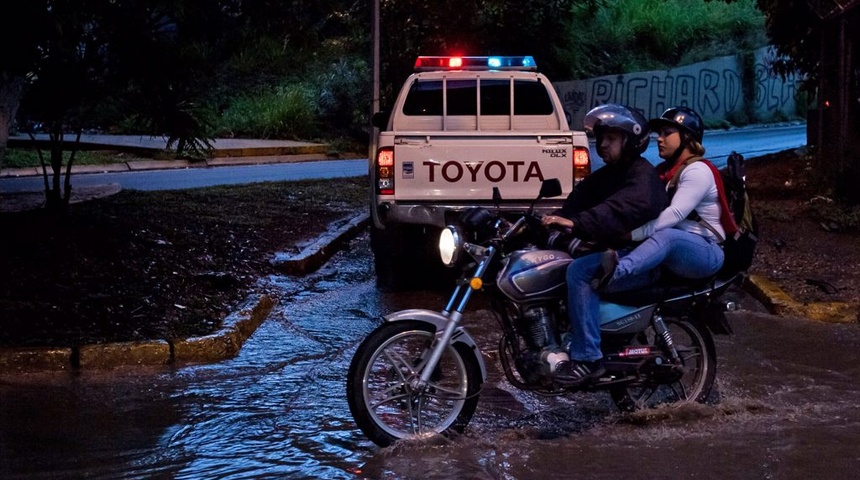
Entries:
{"x":695,"y":347}
{"x":380,"y":387}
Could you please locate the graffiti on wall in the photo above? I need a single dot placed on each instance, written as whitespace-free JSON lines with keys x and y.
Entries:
{"x":772,"y":93}
{"x":713,"y":88}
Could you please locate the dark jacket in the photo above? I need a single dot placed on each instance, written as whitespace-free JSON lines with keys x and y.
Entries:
{"x":614,"y":200}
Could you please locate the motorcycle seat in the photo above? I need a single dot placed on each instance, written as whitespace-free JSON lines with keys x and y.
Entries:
{"x":669,"y":287}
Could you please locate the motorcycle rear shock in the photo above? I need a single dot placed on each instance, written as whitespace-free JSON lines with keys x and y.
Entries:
{"x":666,"y":337}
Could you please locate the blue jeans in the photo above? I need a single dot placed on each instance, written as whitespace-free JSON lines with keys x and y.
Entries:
{"x":683,"y":253}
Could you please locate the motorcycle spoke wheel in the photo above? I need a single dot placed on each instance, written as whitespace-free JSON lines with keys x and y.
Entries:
{"x":697,"y":355}
{"x":384,"y":392}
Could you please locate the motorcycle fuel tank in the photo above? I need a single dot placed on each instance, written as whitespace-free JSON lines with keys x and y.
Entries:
{"x":534,"y":275}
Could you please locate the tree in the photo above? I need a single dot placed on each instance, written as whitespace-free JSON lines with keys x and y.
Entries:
{"x":146,"y":55}
{"x":163,"y":67}
{"x":475,"y":27}
{"x":23,"y":31}
{"x":820,"y":39}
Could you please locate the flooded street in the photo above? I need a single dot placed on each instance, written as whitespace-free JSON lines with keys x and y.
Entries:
{"x":788,"y":391}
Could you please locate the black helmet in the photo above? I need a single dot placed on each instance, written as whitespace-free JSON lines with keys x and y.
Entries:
{"x":623,"y":118}
{"x":682,"y":118}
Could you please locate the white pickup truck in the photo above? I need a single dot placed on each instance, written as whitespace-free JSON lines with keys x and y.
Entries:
{"x":459,"y":127}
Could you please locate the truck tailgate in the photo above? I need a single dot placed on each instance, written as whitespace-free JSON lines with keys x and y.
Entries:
{"x":461,"y":168}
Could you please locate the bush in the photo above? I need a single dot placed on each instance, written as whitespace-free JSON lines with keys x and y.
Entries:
{"x":638,"y":35}
{"x":344,"y":97}
{"x":335,"y":105}
{"x":286,"y":112}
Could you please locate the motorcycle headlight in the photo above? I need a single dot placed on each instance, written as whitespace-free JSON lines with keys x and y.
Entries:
{"x":450,"y":244}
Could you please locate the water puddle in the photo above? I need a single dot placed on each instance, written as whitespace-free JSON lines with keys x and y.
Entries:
{"x":785,"y":408}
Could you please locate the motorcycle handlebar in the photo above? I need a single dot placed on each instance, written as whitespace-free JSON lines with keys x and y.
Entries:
{"x":513,"y":229}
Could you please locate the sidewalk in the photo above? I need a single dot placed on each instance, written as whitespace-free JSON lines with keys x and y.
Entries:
{"x":226,"y":151}
{"x":224,"y":147}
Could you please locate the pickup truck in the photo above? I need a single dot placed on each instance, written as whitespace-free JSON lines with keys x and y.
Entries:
{"x":459,"y":127}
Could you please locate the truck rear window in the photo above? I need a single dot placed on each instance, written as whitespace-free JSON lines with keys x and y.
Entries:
{"x":425,"y":98}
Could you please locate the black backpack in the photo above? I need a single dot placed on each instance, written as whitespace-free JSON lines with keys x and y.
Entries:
{"x":739,"y":248}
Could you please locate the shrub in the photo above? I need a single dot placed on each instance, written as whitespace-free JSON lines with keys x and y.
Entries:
{"x":835,"y":216}
{"x":637,"y":35}
{"x":285,"y":112}
{"x":344,"y":97}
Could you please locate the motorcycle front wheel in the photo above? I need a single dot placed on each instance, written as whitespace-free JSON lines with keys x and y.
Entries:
{"x":695,"y":347}
{"x":382,"y":387}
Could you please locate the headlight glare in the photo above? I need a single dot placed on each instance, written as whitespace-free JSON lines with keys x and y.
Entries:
{"x":450,"y":243}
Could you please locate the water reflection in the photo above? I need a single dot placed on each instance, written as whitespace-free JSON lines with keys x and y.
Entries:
{"x":786,"y":408}
{"x":62,"y":425}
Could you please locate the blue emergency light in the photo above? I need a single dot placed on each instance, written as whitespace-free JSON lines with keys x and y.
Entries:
{"x":526,"y":62}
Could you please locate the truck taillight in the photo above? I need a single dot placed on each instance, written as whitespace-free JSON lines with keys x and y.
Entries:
{"x":581,"y":164}
{"x":385,"y":171}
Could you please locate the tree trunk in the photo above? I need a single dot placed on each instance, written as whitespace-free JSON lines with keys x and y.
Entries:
{"x":839,"y":106}
{"x":850,"y":178}
{"x":55,"y":201}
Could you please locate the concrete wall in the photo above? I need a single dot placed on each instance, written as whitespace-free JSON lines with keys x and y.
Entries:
{"x":715,"y":89}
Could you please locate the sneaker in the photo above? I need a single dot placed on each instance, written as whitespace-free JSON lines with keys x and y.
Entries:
{"x":603,"y":274}
{"x":575,"y":373}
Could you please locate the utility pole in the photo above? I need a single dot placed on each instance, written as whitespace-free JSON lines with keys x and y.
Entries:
{"x":375,"y":29}
{"x":374,"y":104}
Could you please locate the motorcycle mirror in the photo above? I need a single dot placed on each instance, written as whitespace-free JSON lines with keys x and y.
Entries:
{"x":497,"y":196}
{"x":550,"y":188}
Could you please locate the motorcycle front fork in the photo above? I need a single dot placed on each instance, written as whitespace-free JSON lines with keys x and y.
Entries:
{"x":454,"y":311}
{"x":441,"y":342}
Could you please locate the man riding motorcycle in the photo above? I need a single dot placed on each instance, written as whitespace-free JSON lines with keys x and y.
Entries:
{"x":616,"y":198}
{"x":609,"y":203}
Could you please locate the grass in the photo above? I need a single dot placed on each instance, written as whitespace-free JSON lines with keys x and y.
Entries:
{"x":24,"y":158}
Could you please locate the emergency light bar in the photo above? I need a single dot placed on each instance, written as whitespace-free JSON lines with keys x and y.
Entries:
{"x":526,"y":62}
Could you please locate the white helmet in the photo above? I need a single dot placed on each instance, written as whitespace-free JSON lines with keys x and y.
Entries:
{"x":622,"y":118}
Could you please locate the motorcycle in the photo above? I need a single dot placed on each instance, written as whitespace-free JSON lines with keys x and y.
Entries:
{"x":420,"y":373}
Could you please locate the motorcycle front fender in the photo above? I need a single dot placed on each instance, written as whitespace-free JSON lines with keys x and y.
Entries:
{"x":439,"y":321}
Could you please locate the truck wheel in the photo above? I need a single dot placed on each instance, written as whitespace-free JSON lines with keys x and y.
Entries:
{"x":386,"y":252}
{"x":406,"y":257}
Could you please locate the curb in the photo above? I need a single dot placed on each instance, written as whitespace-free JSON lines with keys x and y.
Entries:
{"x":149,"y":145}
{"x":778,"y":302}
{"x":317,"y":253}
{"x":221,"y":345}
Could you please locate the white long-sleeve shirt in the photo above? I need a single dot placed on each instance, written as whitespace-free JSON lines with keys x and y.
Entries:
{"x":697,"y":191}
